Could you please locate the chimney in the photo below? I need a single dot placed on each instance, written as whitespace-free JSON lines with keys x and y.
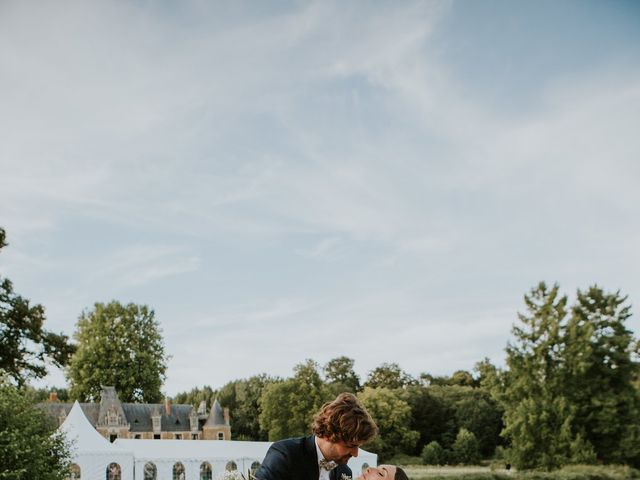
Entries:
{"x":53,"y":397}
{"x":167,"y":406}
{"x":226,"y":416}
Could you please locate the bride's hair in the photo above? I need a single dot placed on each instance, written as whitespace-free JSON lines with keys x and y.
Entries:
{"x":400,"y":474}
{"x":344,"y":420}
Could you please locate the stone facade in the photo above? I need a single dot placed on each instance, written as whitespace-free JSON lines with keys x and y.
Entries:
{"x":114,"y":419}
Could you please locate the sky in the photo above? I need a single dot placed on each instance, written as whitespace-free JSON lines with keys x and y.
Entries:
{"x":292,"y":180}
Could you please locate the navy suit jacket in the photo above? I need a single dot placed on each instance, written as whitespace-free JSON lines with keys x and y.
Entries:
{"x":295,"y":459}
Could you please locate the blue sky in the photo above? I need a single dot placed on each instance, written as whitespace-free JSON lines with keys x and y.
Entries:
{"x":292,"y":180}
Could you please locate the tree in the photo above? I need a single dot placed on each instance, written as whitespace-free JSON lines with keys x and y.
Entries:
{"x":433,"y":454}
{"x":389,"y":375}
{"x":600,"y":374}
{"x":393,"y":417}
{"x":538,"y":416}
{"x":340,"y":375}
{"x":119,"y":345}
{"x":29,"y":448}
{"x":288,"y":407}
{"x":25,"y":346}
{"x":466,"y":449}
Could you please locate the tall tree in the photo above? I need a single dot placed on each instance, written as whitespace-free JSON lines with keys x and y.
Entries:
{"x":389,"y":375}
{"x":600,"y":374}
{"x":340,"y":375}
{"x":119,"y":345}
{"x":288,"y":407}
{"x":25,"y":346}
{"x":538,"y":416}
{"x":29,"y":446}
{"x":393,"y":416}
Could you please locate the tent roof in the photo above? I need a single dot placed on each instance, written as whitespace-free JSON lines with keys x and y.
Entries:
{"x":79,"y":430}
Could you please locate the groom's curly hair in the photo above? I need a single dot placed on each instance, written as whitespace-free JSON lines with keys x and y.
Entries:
{"x":344,"y":420}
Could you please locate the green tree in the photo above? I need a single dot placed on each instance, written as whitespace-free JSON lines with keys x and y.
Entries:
{"x":340,"y":375}
{"x":25,"y":346}
{"x":119,"y":345}
{"x":389,"y":375}
{"x":393,"y":416}
{"x":466,"y":449}
{"x":242,"y":397}
{"x":287,"y":407}
{"x":29,"y":446}
{"x":433,"y":454}
{"x":600,"y":374}
{"x":538,"y":416}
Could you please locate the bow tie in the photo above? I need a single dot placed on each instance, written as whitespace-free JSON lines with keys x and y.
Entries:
{"x":328,"y":465}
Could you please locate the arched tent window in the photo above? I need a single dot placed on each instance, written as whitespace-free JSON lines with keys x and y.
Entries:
{"x":74,"y":472}
{"x":178,"y":471}
{"x":205,"y":471}
{"x":231,"y":466}
{"x":114,"y":472}
{"x":254,"y":468}
{"x":150,"y":471}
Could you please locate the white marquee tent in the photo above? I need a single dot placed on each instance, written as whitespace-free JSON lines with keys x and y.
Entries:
{"x":91,"y":451}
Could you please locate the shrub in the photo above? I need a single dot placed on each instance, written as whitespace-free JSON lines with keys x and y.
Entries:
{"x":433,"y":454}
{"x":466,"y":449}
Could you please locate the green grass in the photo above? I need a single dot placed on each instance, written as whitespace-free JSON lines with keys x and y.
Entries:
{"x":575,"y":472}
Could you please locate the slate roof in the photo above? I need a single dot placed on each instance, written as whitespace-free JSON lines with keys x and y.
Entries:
{"x":90,"y":410}
{"x":139,"y":417}
{"x":216,"y":417}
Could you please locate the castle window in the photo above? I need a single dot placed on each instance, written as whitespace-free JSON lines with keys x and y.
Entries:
{"x":150,"y":471}
{"x":205,"y":471}
{"x":194,"y":436}
{"x":156,"y":436}
{"x":178,"y":436}
{"x":114,"y":472}
{"x":178,"y":471}
{"x":220,"y":436}
{"x":137,"y":436}
{"x":112,"y":437}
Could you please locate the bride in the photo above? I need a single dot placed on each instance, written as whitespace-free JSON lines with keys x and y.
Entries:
{"x":383,"y":472}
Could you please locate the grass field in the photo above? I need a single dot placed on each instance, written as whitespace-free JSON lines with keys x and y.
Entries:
{"x":577,"y":472}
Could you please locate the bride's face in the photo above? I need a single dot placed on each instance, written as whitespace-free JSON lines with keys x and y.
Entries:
{"x":382,"y":472}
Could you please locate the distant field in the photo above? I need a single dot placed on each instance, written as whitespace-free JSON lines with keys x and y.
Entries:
{"x":420,"y":472}
{"x":576,"y":472}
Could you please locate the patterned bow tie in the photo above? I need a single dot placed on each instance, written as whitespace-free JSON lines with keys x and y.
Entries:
{"x":328,"y":465}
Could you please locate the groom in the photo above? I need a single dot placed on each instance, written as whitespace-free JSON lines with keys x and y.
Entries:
{"x":339,"y":428}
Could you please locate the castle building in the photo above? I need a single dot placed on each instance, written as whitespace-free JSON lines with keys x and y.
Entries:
{"x":114,"y":419}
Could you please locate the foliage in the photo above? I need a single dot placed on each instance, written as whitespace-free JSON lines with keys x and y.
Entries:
{"x":389,"y":375}
{"x":340,"y":375}
{"x":195,"y":396}
{"x":288,"y":406}
{"x":119,"y":345}
{"x":538,"y":416}
{"x":433,"y":454}
{"x":29,"y":448}
{"x":25,"y":346}
{"x":466,"y":449}
{"x":599,"y":375}
{"x":393,"y":417}
{"x":242,"y":397}
{"x":38,"y":395}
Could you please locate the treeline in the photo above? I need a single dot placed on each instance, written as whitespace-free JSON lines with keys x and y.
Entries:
{"x":410,"y":412}
{"x":569,"y":394}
